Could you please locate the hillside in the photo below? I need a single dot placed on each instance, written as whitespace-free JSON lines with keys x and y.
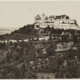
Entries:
{"x":22,"y":32}
{"x":28,"y":31}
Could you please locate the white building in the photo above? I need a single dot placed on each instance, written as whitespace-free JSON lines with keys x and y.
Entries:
{"x":61,"y":22}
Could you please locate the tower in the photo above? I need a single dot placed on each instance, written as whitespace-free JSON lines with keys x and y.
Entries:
{"x":43,"y":16}
{"x":37,"y":17}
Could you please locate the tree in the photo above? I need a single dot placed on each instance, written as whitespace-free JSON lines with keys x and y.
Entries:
{"x":3,"y":45}
{"x":10,"y":43}
{"x":65,"y":38}
{"x":72,"y":71}
{"x":8,"y":56}
{"x":15,"y":55}
{"x":70,"y":54}
{"x":16,"y":71}
{"x":78,"y":53}
{"x":15,"y":44}
{"x":60,"y":60}
{"x":23,"y":69}
{"x":75,"y":39}
{"x":51,"y":50}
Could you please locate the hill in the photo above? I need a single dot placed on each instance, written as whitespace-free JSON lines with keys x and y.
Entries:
{"x":29,"y":31}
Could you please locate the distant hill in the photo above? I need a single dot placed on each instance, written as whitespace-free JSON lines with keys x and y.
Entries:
{"x":6,"y":30}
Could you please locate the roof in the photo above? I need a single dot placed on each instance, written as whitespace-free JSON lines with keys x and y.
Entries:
{"x":43,"y":15}
{"x":51,"y":16}
{"x":63,"y":16}
{"x":57,"y":17}
{"x":38,"y":17}
{"x":46,"y":18}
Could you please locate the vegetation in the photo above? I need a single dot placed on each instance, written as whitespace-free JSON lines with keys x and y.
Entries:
{"x":25,"y":59}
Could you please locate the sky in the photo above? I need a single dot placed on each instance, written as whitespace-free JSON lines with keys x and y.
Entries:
{"x":16,"y":14}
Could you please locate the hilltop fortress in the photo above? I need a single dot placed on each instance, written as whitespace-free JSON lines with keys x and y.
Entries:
{"x":61,"y":22}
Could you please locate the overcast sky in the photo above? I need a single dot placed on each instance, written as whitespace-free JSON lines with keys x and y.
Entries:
{"x":17,"y":14}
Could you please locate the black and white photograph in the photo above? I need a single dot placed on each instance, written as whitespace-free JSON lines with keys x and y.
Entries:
{"x":40,"y":39}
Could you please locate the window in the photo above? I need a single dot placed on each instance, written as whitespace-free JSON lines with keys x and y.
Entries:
{"x":37,"y":26}
{"x":41,"y":31}
{"x":42,"y":77}
{"x":63,"y":22}
{"x":47,"y":77}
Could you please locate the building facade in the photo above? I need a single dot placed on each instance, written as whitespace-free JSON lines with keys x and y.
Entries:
{"x":61,"y":22}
